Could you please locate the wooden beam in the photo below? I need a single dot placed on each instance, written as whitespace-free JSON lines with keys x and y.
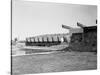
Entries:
{"x":66,"y":27}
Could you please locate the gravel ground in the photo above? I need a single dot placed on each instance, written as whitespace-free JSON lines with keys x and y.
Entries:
{"x":55,"y":62}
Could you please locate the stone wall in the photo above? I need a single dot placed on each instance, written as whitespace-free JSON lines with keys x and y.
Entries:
{"x":86,"y":41}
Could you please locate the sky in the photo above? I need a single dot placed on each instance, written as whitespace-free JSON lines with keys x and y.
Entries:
{"x":31,"y":18}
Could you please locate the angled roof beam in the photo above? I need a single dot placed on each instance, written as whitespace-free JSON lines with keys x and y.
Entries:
{"x":66,"y":27}
{"x":81,"y":25}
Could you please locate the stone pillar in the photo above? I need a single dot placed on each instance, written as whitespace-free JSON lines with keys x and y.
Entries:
{"x":34,"y":39}
{"x":42,"y":39}
{"x":58,"y":39}
{"x":52,"y":39}
{"x":31,"y":40}
{"x":47,"y":39}
{"x":38,"y":39}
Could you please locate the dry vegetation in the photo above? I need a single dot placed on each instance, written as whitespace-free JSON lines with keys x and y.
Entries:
{"x":55,"y":62}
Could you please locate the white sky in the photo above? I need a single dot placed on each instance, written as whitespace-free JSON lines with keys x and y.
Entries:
{"x":37,"y":18}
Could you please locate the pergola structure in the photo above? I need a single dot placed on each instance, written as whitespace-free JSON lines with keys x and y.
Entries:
{"x":46,"y":41}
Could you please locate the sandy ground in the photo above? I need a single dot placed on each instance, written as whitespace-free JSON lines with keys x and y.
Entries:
{"x":23,"y":50}
{"x":54,"y":62}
